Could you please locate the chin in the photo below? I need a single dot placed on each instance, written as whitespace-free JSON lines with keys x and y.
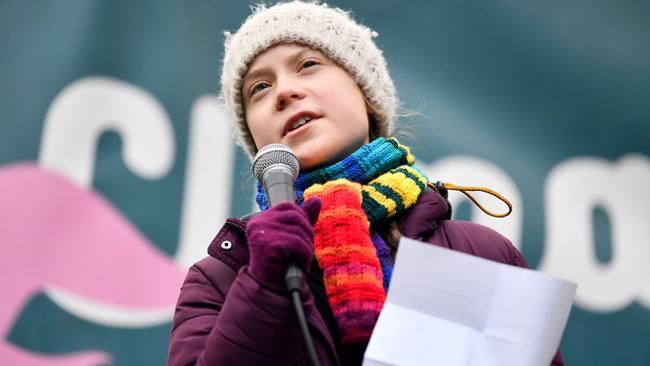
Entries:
{"x":319,"y":153}
{"x":308,"y":164}
{"x":312,"y":164}
{"x":311,"y":160}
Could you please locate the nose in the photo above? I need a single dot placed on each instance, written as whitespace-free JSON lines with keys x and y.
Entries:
{"x":287,"y":92}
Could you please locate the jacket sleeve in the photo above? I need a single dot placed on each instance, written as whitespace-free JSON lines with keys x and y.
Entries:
{"x":252,"y":325}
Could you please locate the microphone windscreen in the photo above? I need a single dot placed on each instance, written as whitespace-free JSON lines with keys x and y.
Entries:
{"x":275,"y":154}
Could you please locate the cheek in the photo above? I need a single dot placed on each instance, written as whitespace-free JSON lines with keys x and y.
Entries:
{"x":348,"y":102}
{"x":353,"y":112}
{"x":256,"y":126}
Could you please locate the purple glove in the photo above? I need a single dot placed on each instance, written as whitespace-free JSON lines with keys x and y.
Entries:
{"x":282,"y":234}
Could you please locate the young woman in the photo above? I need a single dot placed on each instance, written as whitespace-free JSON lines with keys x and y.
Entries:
{"x":309,"y":77}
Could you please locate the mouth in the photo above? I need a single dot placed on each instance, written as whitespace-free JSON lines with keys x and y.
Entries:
{"x":298,"y":120}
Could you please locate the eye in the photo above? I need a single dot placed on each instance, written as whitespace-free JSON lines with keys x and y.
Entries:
{"x":308,"y":63}
{"x":258,"y":87}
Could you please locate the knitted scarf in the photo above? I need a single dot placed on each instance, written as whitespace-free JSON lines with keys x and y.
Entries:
{"x":358,"y":193}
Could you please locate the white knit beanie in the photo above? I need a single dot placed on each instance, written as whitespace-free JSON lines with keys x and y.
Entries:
{"x":330,"y":30}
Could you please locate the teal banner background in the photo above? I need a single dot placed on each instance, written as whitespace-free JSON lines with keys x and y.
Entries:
{"x":552,"y":96}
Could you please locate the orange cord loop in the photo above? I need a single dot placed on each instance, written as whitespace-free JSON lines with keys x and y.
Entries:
{"x":466,"y":190}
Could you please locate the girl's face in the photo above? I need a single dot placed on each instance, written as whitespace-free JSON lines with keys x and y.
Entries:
{"x":298,"y":97}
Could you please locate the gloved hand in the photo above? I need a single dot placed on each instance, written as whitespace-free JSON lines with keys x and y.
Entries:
{"x":282,"y":234}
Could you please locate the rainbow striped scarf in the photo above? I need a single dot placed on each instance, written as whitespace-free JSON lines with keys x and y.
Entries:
{"x":374,"y":183}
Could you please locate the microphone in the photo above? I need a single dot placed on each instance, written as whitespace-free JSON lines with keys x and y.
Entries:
{"x":276,"y":167}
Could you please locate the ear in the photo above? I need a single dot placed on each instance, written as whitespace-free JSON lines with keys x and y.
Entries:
{"x":373,"y":132}
{"x":372,"y":111}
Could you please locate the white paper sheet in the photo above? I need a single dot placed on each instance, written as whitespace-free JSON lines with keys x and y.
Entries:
{"x":453,"y":309}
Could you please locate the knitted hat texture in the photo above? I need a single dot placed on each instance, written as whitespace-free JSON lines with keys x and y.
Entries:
{"x":330,"y":30}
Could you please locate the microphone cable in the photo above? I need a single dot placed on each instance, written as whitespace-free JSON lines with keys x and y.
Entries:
{"x":293,"y":281}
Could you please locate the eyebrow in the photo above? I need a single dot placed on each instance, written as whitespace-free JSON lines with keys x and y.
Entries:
{"x":255,"y":73}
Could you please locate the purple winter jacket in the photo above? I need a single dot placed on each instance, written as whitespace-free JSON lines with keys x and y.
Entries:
{"x":224,"y":316}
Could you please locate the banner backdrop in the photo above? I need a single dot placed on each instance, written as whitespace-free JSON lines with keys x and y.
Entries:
{"x":117,"y":164}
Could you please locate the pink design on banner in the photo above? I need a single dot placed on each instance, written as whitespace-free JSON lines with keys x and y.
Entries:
{"x":54,"y":234}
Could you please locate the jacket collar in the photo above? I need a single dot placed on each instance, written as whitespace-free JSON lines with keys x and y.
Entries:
{"x":424,"y":217}
{"x":419,"y":222}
